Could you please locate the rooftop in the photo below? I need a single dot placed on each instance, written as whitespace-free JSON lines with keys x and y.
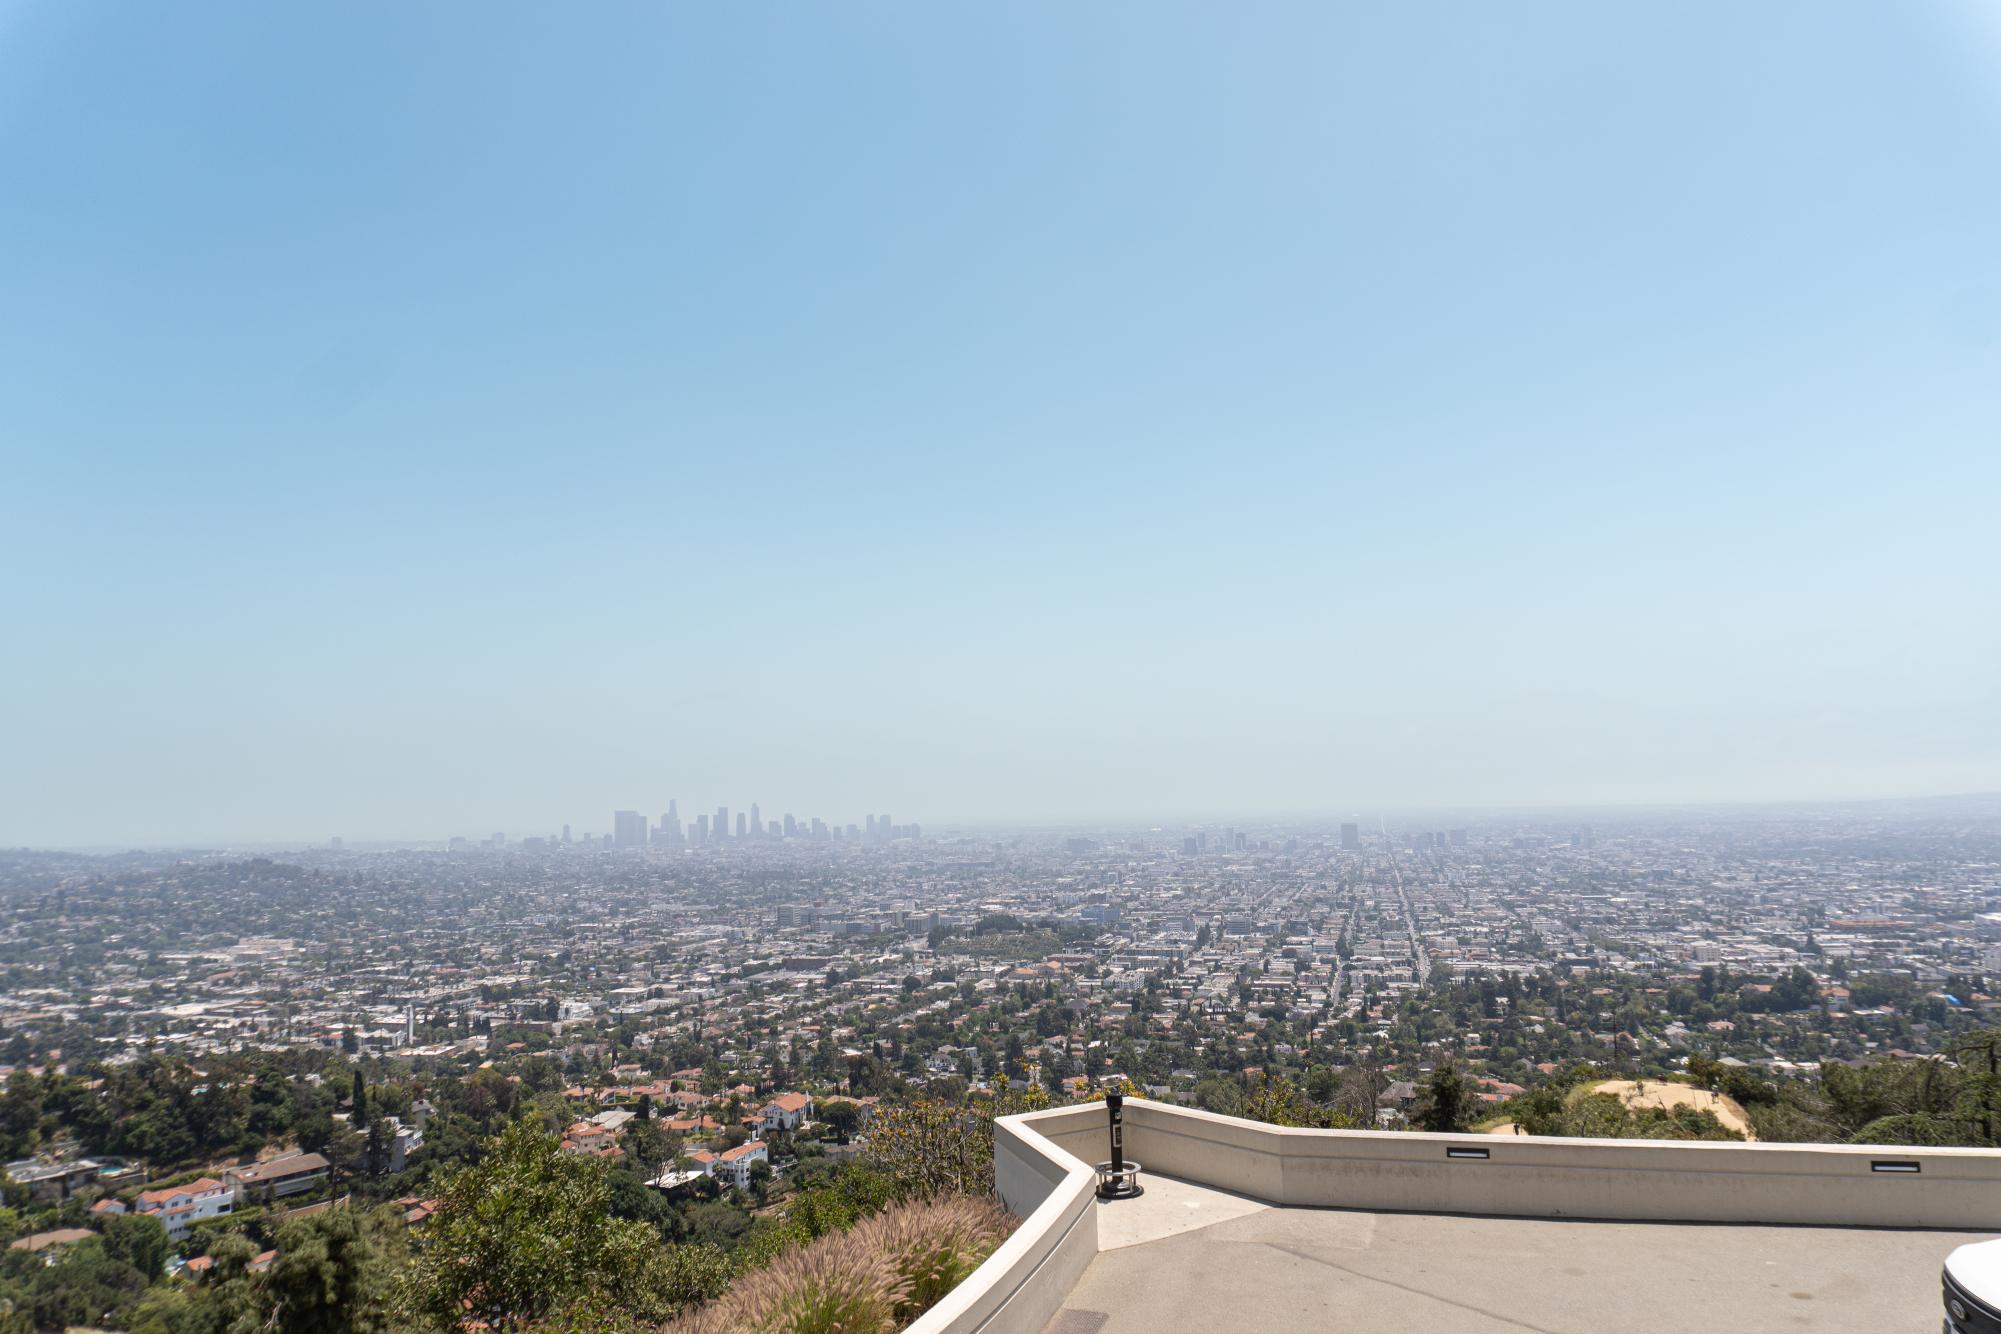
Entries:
{"x":1185,"y":1257}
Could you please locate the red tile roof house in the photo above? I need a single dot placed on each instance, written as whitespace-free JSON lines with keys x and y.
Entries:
{"x":592,"y":1140}
{"x":787,"y":1111}
{"x":732,"y":1165}
{"x":180,"y":1207}
{"x":201,"y":1264}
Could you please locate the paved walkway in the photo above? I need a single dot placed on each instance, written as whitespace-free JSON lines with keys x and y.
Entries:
{"x":1186,"y":1258}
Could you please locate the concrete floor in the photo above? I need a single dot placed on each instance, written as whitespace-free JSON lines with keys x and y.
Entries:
{"x":1186,"y":1258}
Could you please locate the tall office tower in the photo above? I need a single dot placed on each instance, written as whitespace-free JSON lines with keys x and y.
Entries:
{"x":791,"y":826}
{"x":742,"y":825}
{"x":1458,"y":837}
{"x":884,"y":827}
{"x":871,"y":828}
{"x":756,"y":822}
{"x":1351,"y":838}
{"x":566,"y":833}
{"x":854,"y":834}
{"x":721,"y":828}
{"x":628,"y":829}
{"x":819,"y":828}
{"x":701,"y":829}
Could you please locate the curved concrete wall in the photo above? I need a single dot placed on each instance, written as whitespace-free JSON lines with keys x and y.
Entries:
{"x":1021,"y":1285}
{"x":1856,"y":1186}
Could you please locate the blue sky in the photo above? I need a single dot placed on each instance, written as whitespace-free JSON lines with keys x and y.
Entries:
{"x":464,"y":417}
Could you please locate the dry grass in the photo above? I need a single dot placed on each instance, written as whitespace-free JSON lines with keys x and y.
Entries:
{"x":934,"y":1246}
{"x":873,"y":1279}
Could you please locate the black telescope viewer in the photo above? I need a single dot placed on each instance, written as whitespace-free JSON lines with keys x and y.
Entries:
{"x":1118,"y":1179}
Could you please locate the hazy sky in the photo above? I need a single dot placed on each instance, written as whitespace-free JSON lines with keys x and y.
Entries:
{"x":421,"y":419}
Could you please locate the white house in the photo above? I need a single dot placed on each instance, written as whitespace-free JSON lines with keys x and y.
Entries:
{"x":787,"y":1111}
{"x":732,"y":1165}
{"x":735,"y":1163}
{"x":180,"y":1207}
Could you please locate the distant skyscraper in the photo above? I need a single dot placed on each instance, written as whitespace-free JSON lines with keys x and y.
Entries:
{"x":756,"y":822}
{"x":701,"y":829}
{"x":791,"y":826}
{"x":1351,"y":838}
{"x":742,"y":825}
{"x":628,"y":829}
{"x":566,"y":833}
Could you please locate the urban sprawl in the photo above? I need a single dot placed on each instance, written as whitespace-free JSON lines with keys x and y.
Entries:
{"x":726,"y":1009}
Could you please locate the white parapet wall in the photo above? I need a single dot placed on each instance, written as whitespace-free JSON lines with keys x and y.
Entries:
{"x":1042,"y":1170}
{"x":1022,"y":1284}
{"x":1530,"y":1177}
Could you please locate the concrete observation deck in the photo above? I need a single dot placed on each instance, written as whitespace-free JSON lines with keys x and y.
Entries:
{"x":1191,"y":1258}
{"x":1247,"y":1226}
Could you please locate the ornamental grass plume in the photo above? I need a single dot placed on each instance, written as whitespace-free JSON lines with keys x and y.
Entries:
{"x":933,"y":1245}
{"x":873,"y":1279}
{"x":838,"y":1285}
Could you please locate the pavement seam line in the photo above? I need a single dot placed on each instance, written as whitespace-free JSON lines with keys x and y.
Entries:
{"x":1405,"y":1287}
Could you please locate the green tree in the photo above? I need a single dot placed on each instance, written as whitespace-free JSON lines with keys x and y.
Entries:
{"x":526,"y":1232}
{"x":137,"y":1240}
{"x":843,"y":1117}
{"x":1446,"y":1103}
{"x":334,"y":1273}
{"x":20,"y":1115}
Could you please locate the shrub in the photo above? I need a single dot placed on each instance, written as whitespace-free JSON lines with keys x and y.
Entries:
{"x":934,"y":1246}
{"x":838,"y":1285}
{"x":886,"y":1272}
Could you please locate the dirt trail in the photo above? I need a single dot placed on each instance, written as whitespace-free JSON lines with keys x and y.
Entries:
{"x":1653,"y":1093}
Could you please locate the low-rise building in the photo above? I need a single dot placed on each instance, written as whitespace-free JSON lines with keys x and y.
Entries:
{"x":787,"y":1111}
{"x":47,"y":1244}
{"x":180,"y":1207}
{"x":279,"y":1177}
{"x":51,"y":1182}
